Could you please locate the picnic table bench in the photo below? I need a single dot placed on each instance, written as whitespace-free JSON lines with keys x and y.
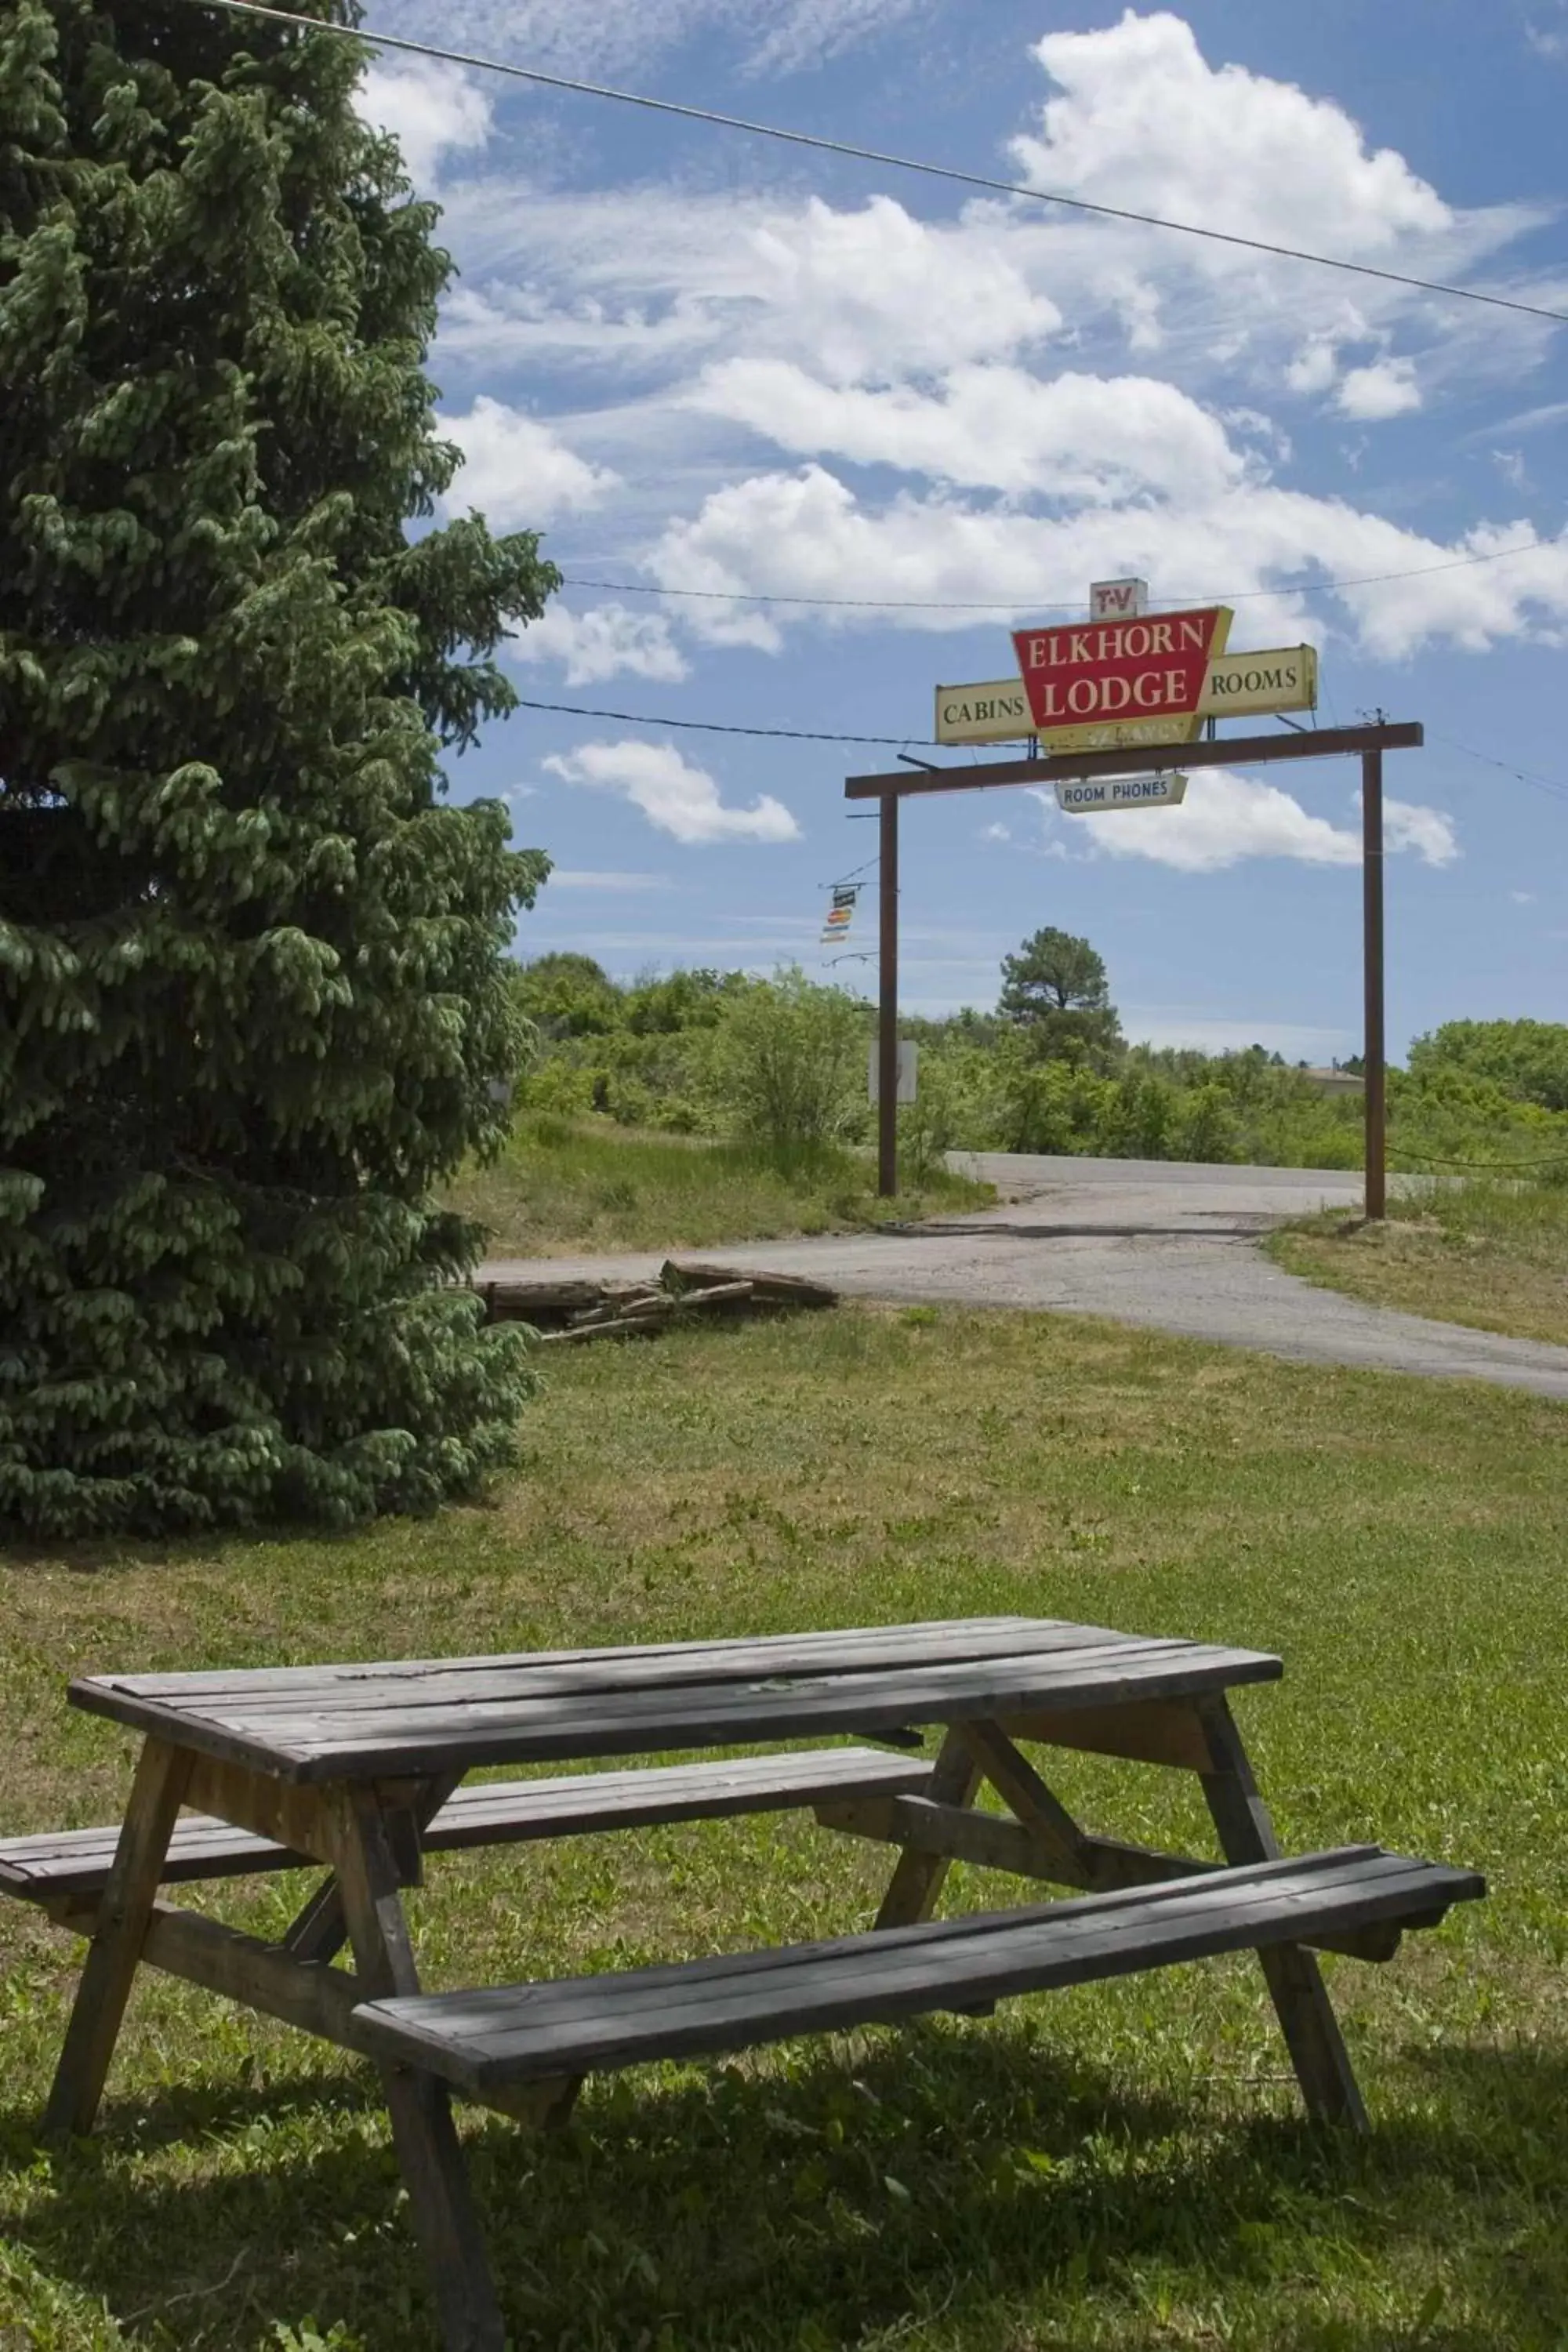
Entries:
{"x":359,"y":1769}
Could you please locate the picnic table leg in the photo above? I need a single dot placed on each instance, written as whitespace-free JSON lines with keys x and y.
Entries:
{"x":429,"y":2152}
{"x":125,"y":1913}
{"x":917,"y":1879}
{"x":1295,"y":1981}
{"x":319,"y":1932}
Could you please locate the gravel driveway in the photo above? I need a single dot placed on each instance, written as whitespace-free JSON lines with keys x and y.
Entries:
{"x":1149,"y":1241}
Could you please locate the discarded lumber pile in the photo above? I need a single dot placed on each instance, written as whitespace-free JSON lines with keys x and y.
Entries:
{"x":575,"y":1309}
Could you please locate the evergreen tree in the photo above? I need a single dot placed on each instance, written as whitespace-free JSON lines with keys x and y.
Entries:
{"x":253,"y":1003}
{"x":1054,"y":993}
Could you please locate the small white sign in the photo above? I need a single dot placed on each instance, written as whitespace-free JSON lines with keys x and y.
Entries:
{"x":1104,"y":794}
{"x":1118,"y":600}
{"x":909,"y":1062}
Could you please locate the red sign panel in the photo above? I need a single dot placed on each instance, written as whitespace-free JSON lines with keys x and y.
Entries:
{"x":1109,"y":671}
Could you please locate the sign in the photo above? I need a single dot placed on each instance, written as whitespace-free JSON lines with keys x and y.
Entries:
{"x":840,"y":914}
{"x":1119,"y":599}
{"x":1281,"y":678}
{"x":1109,"y":671}
{"x":1100,"y":795}
{"x":908,"y":1066}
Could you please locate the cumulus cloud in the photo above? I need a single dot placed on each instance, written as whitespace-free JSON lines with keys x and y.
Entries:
{"x":1227,"y":819}
{"x":432,"y":109}
{"x":677,"y":798}
{"x":1407,"y":825}
{"x":1143,"y":121}
{"x":1385,"y":388}
{"x":607,"y":641}
{"x":806,"y":533}
{"x":617,"y":885}
{"x":517,"y":470}
{"x":1072,"y":436}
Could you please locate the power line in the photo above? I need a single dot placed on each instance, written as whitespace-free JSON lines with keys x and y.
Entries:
{"x":719,"y":727}
{"x":1033,"y":604}
{"x":1553,"y":786}
{"x":881,"y":156}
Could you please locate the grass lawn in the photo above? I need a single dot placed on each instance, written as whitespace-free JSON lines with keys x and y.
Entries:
{"x":562,"y":1188}
{"x":1116,"y":2169}
{"x":1481,"y":1253}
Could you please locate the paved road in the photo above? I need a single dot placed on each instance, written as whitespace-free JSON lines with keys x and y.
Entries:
{"x":1149,"y":1242}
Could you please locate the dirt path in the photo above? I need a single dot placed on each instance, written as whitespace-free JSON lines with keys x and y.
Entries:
{"x":1147,"y":1242}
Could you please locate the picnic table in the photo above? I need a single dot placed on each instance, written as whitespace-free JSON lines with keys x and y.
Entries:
{"x":360,"y":1769}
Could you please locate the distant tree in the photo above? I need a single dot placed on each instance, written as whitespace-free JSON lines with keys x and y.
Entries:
{"x":788,"y":1061}
{"x":1527,"y":1059}
{"x":1054,"y":992}
{"x":253,"y":1000}
{"x":568,"y":995}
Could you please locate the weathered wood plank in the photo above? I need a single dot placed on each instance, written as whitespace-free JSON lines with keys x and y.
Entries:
{"x":871,"y":1649}
{"x":919,"y":1872}
{"x":495,"y":1813}
{"x":434,"y":2173}
{"x":271,"y":1809}
{"x":309,"y":1747}
{"x":1016,"y":1780}
{"x":1295,"y":1981}
{"x":1156,"y":1731}
{"x":126,"y":1907}
{"x":507,"y":2035}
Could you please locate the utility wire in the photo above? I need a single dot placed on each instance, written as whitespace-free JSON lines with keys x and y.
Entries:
{"x":1435,"y":1160}
{"x":1550,"y":785}
{"x":717,"y":727}
{"x":1030,"y":604}
{"x":881,"y":156}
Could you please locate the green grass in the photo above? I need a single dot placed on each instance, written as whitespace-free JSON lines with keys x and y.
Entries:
{"x":561,"y":1188}
{"x":1118,"y":2168}
{"x":1485,"y":1251}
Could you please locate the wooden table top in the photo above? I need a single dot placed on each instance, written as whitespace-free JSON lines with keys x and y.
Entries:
{"x":428,"y":1716}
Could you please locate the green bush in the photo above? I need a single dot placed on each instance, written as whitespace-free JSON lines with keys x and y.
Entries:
{"x":787,"y":1064}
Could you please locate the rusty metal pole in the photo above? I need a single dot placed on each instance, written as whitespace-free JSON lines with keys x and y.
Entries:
{"x":1375,"y":1053}
{"x":887,"y":1011}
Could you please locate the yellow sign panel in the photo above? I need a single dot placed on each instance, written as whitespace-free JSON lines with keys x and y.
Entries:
{"x":1284,"y":677}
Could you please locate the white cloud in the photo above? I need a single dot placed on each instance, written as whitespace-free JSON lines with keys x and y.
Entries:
{"x":807,"y":534}
{"x":618,"y":885}
{"x":1144,"y":121}
{"x":996,"y":832}
{"x":1313,"y":367}
{"x":432,"y":109}
{"x":518,"y":471}
{"x":1522,"y":898}
{"x":607,"y":641}
{"x":1071,"y":436}
{"x":1226,"y":818}
{"x":811,"y":32}
{"x":1407,"y":824}
{"x":1384,"y":388}
{"x":676,"y":797}
{"x":650,"y":279}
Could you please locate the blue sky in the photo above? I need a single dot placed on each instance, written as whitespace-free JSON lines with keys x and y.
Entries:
{"x":700,"y":360}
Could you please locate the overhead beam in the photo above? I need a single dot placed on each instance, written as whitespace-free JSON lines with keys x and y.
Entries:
{"x":1145,"y":758}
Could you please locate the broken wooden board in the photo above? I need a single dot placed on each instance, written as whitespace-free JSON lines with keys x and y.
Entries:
{"x":577,"y":1307}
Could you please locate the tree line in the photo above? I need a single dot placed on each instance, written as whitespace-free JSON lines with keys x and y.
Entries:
{"x":782,"y":1061}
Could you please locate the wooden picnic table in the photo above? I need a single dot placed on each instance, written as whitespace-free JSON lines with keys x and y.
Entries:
{"x":358,"y":1769}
